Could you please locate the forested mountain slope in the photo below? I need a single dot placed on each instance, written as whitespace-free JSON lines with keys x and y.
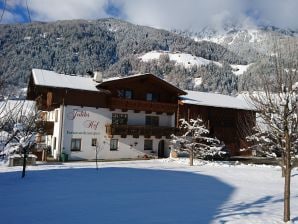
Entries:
{"x":117,"y":48}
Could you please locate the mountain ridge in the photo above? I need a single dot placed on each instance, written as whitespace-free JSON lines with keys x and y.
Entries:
{"x":114,"y":47}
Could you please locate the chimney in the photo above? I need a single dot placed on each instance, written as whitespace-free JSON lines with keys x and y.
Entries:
{"x":97,"y":76}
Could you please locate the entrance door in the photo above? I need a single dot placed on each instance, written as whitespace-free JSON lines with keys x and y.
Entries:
{"x":161,"y":149}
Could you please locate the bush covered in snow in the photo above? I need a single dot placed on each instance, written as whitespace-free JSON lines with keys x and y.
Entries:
{"x":195,"y":140}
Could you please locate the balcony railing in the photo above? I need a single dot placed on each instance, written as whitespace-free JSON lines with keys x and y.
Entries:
{"x":140,"y":130}
{"x":142,"y":105}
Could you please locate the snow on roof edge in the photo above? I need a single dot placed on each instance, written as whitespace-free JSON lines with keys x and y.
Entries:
{"x":215,"y":100}
{"x":49,"y":78}
{"x":137,"y":75}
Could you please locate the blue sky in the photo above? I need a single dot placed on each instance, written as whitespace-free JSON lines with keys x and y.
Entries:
{"x":168,"y":14}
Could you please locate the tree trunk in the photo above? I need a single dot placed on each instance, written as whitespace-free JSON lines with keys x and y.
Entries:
{"x":24,"y":162}
{"x":283,"y":166}
{"x":191,"y":157}
{"x":283,"y":172}
{"x":288,"y":168}
{"x":287,"y":191}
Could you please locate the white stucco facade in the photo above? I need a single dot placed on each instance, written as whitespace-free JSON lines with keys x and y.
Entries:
{"x":84,"y":124}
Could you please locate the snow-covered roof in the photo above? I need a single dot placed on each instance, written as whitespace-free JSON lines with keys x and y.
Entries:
{"x":112,"y":79}
{"x":53,"y":79}
{"x":215,"y":100}
{"x":122,"y":77}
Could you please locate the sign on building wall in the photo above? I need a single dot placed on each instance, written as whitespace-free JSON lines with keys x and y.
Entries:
{"x":82,"y":122}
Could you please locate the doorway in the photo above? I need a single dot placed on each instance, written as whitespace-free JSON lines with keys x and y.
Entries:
{"x":161,"y":149}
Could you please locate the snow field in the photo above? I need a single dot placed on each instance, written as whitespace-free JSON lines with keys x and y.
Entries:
{"x":153,"y":191}
{"x":187,"y":60}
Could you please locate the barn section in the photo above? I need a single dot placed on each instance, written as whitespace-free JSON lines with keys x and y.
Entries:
{"x":228,"y":118}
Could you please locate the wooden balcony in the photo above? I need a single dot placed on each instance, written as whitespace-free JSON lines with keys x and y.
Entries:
{"x":142,"y":105}
{"x":45,"y":127}
{"x":140,"y":130}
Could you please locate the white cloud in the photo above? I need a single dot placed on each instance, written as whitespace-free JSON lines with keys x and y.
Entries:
{"x":169,"y":14}
{"x":67,"y":9}
{"x":188,"y":14}
{"x":196,"y":14}
{"x":280,"y":13}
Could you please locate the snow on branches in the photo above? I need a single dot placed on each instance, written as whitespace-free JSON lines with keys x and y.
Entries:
{"x":194,"y":139}
{"x":276,"y":132}
{"x":17,"y":128}
{"x":277,"y":107}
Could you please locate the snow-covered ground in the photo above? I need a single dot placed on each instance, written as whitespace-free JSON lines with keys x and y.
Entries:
{"x":240,"y":69}
{"x":154,"y":191}
{"x":228,"y":37}
{"x":187,"y":60}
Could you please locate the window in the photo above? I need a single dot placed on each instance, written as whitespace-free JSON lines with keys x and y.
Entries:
{"x":151,"y":97}
{"x":148,"y":144}
{"x":93,"y":142}
{"x":54,"y":143}
{"x":114,"y":144}
{"x":56,"y":115}
{"x":152,"y":121}
{"x":125,"y":93}
{"x":119,"y":118}
{"x":75,"y":144}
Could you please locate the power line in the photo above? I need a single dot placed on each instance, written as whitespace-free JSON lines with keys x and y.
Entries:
{"x":3,"y":11}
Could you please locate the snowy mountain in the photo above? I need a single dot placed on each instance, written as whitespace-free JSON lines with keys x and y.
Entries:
{"x":118,"y":48}
{"x":255,"y":44}
{"x":187,"y":60}
{"x":250,"y":42}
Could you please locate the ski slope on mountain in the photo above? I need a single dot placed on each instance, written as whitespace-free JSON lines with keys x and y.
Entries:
{"x":186,"y":60}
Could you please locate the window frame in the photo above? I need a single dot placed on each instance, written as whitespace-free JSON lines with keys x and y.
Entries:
{"x":119,"y":119}
{"x":152,"y":97}
{"x":112,"y":148}
{"x":56,"y":115}
{"x":54,"y":143}
{"x":151,"y":120}
{"x":72,"y":149}
{"x":94,"y":140}
{"x":126,"y":94}
{"x":146,"y":148}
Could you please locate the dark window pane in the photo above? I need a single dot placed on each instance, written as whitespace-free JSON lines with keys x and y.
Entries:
{"x":128,"y":94}
{"x":120,"y":119}
{"x":152,"y":121}
{"x":125,"y":93}
{"x":152,"y":97}
{"x":148,"y":144}
{"x":113,"y":144}
{"x":93,"y":142}
{"x":75,"y":144}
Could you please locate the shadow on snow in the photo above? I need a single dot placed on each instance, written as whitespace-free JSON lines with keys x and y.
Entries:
{"x":111,"y":195}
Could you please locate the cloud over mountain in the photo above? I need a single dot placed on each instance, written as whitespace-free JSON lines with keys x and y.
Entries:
{"x":168,"y":14}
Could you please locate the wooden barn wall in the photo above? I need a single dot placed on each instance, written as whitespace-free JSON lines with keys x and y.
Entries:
{"x":229,"y":125}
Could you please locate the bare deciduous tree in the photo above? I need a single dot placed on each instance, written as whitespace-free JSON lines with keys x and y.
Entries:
{"x":277,"y":129}
{"x":17,"y":120}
